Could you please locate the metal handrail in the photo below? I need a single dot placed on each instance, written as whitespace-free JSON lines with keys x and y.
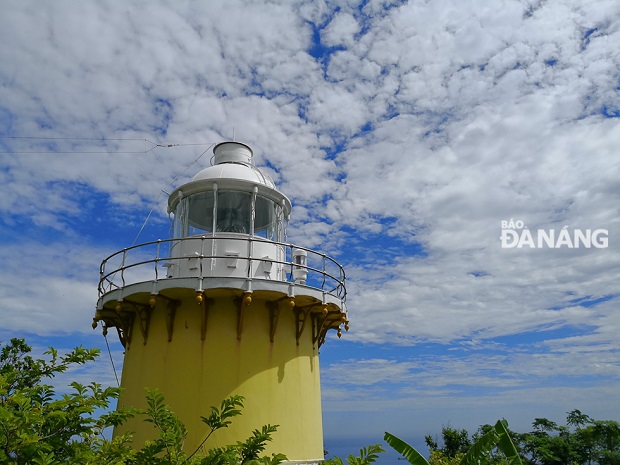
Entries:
{"x":115,"y":278}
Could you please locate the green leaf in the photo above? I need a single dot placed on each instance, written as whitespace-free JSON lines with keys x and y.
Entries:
{"x":334,"y":461}
{"x":255,"y":444}
{"x":480,"y":451}
{"x":220,"y":418}
{"x":407,"y":451}
{"x":367,"y":455}
{"x":506,"y":445}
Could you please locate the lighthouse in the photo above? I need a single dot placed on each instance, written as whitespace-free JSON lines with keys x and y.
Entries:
{"x":226,"y":306}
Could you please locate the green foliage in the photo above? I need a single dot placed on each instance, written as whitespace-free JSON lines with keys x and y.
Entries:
{"x":38,"y":426}
{"x":481,"y":452}
{"x":168,"y":447}
{"x":171,"y":433}
{"x":255,"y":444}
{"x":367,"y":456}
{"x":455,"y":442}
{"x":582,"y":441}
{"x":437,"y":457}
{"x":220,"y":418}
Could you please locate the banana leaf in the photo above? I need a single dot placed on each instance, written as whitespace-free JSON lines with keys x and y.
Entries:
{"x":479,"y":452}
{"x":400,"y":446}
{"x":506,"y":445}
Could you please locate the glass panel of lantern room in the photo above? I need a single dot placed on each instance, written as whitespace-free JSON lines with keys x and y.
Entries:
{"x":234,"y":211}
{"x":265,"y":221}
{"x":200,"y":213}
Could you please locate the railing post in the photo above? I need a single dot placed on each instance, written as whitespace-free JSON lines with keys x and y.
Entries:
{"x":123,"y":266}
{"x":157,"y":259}
{"x":202,"y":254}
{"x":250,"y":253}
{"x":291,"y":247}
{"x":101,"y":275}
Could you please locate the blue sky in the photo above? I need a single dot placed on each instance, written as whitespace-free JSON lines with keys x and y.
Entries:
{"x":403,"y":132}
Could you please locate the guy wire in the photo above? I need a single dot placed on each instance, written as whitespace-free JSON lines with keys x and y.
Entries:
{"x":105,"y":336}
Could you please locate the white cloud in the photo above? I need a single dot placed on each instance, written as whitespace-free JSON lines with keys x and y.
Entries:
{"x":340,"y":31}
{"x":428,"y":125}
{"x":49,"y":288}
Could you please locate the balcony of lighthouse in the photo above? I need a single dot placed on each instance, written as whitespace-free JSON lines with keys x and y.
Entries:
{"x":132,"y":279}
{"x":227,"y":242}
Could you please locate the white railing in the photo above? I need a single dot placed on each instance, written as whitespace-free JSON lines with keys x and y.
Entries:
{"x":151,"y":261}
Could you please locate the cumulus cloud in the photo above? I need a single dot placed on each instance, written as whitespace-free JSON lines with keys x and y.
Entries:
{"x":403,"y":132}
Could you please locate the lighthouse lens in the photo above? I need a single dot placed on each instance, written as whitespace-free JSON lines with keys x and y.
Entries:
{"x":234,"y":211}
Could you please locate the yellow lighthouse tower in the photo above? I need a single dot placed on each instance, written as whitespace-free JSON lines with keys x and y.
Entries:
{"x":226,"y":306}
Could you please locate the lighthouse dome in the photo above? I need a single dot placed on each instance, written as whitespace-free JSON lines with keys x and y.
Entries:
{"x":235,"y":170}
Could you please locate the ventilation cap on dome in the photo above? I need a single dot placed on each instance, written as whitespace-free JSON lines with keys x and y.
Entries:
{"x":232,"y":152}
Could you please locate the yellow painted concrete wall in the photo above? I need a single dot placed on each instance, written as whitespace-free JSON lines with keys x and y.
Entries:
{"x":280,"y":381}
